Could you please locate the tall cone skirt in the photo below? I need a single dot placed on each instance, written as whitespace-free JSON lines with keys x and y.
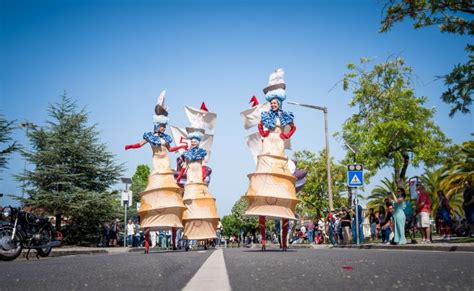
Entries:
{"x":271,"y":189}
{"x":161,"y":206}
{"x":200,"y":217}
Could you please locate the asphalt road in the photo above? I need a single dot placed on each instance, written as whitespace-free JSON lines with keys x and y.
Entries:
{"x":248,"y":269}
{"x":127,"y":271}
{"x":349,"y":269}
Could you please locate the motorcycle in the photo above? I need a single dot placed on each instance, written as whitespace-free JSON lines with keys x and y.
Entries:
{"x":24,"y":230}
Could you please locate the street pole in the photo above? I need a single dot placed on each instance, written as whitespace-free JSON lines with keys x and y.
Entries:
{"x":126,"y":181}
{"x":125,"y":204}
{"x":328,"y":158}
{"x":356,"y":203}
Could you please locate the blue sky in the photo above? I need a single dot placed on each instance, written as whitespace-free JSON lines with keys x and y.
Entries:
{"x":114,"y":58}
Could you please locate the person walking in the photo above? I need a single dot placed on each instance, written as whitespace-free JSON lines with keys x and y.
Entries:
{"x":468,"y":205}
{"x":399,"y":216}
{"x":443,"y":212}
{"x":423,"y":206}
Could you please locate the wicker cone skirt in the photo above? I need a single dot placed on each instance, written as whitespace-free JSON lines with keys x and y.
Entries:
{"x":161,"y":204}
{"x":200,"y":218}
{"x":271,"y":189}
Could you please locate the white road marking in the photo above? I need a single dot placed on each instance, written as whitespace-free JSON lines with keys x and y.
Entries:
{"x":212,"y":274}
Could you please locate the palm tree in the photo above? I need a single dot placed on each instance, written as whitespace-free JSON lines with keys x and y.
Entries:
{"x":458,"y":170}
{"x":432,"y":180}
{"x":379,"y":193}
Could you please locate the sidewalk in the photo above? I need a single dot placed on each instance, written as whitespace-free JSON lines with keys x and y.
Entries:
{"x":456,"y":244}
{"x":77,"y":250}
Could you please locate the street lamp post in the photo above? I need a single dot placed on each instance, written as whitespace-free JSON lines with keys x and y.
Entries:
{"x":27,"y":125}
{"x":328,"y":162}
{"x":126,"y":181}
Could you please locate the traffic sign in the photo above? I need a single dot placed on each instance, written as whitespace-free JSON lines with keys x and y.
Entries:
{"x":355,"y":175}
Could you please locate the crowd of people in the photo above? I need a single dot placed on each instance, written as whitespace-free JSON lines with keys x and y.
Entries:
{"x":392,"y":223}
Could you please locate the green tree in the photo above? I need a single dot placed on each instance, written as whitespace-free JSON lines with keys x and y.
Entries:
{"x":7,"y":145}
{"x":392,"y":127}
{"x":73,"y":170}
{"x":314,"y":200}
{"x":236,"y":221}
{"x":451,"y":16}
{"x":139,"y":182}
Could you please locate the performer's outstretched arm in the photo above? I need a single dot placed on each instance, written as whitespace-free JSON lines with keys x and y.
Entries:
{"x":136,"y":145}
{"x":181,"y":173}
{"x":263,"y":133}
{"x":173,"y":149}
{"x":290,"y":133}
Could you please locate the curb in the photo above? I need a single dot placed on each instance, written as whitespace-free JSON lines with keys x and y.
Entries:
{"x":456,"y":248}
{"x":62,"y":253}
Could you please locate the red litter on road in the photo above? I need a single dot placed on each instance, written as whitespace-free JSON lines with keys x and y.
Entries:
{"x":347,"y":267}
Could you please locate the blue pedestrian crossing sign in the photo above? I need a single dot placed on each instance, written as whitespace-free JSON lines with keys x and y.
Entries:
{"x":355,"y":175}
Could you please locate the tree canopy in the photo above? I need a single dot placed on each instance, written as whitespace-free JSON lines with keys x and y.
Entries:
{"x":233,"y":223}
{"x":451,"y":16}
{"x":7,"y":144}
{"x":314,"y":198}
{"x":139,"y":181}
{"x":391,"y":127}
{"x":72,"y":170}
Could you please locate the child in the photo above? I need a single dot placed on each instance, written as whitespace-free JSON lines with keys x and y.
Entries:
{"x":147,"y":240}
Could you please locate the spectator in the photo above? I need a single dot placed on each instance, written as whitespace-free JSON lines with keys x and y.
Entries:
{"x":373,"y":224}
{"x":303,"y":230}
{"x":310,"y":231}
{"x":346,"y":226}
{"x":218,"y":235}
{"x":153,"y":238}
{"x":385,"y":226}
{"x":338,"y":227}
{"x":410,"y":220}
{"x":381,"y":217}
{"x":423,"y":207}
{"x":147,"y":240}
{"x":468,"y":205}
{"x":319,"y":238}
{"x":114,"y":229}
{"x":130,"y":233}
{"x":331,"y":228}
{"x":106,"y":235}
{"x":137,"y":239}
{"x":443,"y":212}
{"x":399,"y":216}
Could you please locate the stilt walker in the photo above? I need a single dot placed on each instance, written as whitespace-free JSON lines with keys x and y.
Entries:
{"x":200,"y":217}
{"x":271,"y":191}
{"x":161,"y":206}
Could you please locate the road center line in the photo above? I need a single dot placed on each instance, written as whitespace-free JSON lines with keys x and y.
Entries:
{"x":212,"y":274}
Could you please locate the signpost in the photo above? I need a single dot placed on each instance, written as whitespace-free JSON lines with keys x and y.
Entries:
{"x":126,"y":200}
{"x":355,"y":178}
